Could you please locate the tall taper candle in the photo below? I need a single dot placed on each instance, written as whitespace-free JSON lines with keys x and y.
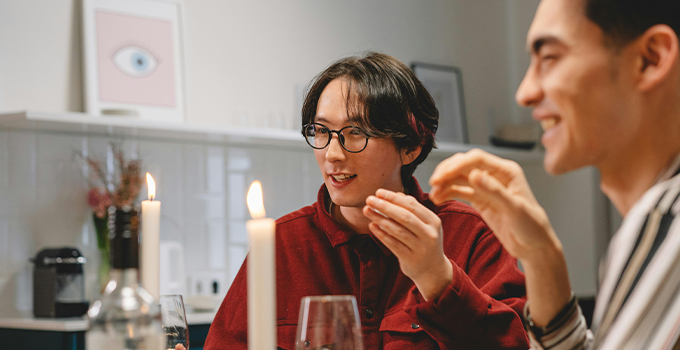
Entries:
{"x":150,"y":259}
{"x":261,"y":274}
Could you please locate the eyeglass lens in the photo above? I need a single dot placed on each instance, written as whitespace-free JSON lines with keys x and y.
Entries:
{"x":318,"y":136}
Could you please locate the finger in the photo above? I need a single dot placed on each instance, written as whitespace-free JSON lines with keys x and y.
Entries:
{"x":395,"y":230}
{"x":437,"y":189}
{"x":490,"y":193}
{"x":441,"y":194}
{"x":459,"y":166}
{"x":394,"y":245}
{"x":408,"y":203}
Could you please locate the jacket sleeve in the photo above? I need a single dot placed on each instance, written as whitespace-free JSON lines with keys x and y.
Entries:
{"x":229,"y":329}
{"x":481,"y":308}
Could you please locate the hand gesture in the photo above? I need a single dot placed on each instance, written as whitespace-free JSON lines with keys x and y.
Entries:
{"x":414,"y":235}
{"x":498,"y":190}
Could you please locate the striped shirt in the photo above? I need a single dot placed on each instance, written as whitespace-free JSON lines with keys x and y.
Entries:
{"x":638,"y":304}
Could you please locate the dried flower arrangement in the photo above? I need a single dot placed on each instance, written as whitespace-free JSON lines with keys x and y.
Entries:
{"x":117,"y":187}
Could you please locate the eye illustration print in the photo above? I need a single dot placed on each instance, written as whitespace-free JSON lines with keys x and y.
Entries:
{"x":135,"y":61}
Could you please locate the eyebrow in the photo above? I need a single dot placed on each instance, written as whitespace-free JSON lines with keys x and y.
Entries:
{"x":319,"y":119}
{"x":542,"y":41}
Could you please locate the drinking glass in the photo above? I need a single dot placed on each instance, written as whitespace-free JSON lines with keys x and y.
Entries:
{"x":174,"y":320}
{"x":329,"y":322}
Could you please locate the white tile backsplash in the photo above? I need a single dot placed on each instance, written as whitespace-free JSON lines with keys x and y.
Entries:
{"x":4,"y":159}
{"x":202,"y":188}
{"x":217,"y":233}
{"x":237,"y":254}
{"x":237,"y":232}
{"x":4,"y":247}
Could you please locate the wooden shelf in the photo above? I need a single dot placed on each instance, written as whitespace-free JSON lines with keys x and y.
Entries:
{"x":120,"y":126}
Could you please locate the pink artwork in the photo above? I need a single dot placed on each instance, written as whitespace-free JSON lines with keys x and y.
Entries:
{"x":135,"y":59}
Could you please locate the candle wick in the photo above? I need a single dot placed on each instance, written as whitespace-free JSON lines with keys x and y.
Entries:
{"x":151,"y":198}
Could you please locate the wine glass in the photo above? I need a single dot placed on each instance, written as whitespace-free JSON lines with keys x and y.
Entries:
{"x":174,"y":321}
{"x":329,"y":322}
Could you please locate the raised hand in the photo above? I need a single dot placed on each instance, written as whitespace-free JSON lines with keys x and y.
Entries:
{"x":414,"y":235}
{"x":498,"y":189}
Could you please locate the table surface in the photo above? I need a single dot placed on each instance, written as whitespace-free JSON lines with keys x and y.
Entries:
{"x":79,"y":324}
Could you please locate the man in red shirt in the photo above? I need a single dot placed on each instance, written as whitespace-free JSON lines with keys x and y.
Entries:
{"x":424,"y":276}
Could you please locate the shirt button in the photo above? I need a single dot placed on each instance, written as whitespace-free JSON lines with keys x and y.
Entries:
{"x":415,"y":326}
{"x":368,"y":313}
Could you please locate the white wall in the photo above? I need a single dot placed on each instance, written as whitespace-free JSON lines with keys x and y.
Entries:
{"x":248,"y":58}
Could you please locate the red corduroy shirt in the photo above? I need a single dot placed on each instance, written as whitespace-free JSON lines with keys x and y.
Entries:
{"x":315,"y":255}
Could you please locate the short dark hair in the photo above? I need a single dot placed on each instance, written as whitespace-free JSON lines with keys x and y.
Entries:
{"x":385,"y":99}
{"x":623,"y":21}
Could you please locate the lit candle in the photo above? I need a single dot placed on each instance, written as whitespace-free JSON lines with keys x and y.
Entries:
{"x":150,"y":259}
{"x":261,"y":268}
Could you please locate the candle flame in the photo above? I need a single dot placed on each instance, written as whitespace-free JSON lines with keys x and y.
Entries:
{"x":151,"y":184}
{"x":254,"y":200}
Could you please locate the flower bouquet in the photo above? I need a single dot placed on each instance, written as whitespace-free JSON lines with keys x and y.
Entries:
{"x":118,"y":187}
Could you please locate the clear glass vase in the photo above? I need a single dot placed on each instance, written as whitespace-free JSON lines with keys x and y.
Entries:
{"x":100,"y":226}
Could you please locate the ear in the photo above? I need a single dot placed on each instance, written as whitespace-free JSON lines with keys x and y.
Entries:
{"x":408,"y":156}
{"x":658,"y":50}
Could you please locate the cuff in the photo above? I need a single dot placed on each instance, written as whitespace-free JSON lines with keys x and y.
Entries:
{"x":566,"y":321}
{"x":457,"y":310}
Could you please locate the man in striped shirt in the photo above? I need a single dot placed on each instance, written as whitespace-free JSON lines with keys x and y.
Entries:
{"x":604,"y":82}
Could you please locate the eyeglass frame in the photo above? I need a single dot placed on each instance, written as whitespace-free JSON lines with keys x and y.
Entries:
{"x":337,"y":132}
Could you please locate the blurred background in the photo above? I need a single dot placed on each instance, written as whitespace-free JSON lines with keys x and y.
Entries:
{"x":246,"y":67}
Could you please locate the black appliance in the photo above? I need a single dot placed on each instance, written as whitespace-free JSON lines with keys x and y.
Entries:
{"x":59,"y":283}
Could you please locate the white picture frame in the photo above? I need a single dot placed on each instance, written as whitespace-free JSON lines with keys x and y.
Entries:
{"x":445,"y":84}
{"x":133,"y":51}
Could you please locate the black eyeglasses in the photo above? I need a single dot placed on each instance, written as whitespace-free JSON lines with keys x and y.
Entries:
{"x":351,"y":138}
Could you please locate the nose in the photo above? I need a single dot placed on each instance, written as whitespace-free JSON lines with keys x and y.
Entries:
{"x":334,"y":151}
{"x":529,"y":93}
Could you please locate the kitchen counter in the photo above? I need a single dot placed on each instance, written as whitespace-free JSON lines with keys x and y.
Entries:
{"x":79,"y":324}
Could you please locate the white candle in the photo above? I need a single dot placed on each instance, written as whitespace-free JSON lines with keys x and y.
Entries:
{"x":150,"y":257}
{"x":261,"y":278}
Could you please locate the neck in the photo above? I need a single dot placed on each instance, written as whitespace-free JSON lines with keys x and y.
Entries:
{"x":625,"y":181}
{"x":351,"y":217}
{"x":125,"y":277}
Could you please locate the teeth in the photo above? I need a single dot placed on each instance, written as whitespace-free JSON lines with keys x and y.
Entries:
{"x":548,"y":124}
{"x":342,"y":177}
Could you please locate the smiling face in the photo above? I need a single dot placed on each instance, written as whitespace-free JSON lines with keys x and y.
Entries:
{"x":352,"y":177}
{"x":580,"y":89}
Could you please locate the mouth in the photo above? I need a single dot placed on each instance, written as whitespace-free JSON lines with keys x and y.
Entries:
{"x":549,"y":123}
{"x":342,"y":177}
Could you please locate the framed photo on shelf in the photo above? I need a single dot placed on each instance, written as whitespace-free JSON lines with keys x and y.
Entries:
{"x":445,"y":84}
{"x":133,"y":51}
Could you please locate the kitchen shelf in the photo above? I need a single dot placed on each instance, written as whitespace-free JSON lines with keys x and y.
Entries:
{"x":123,"y":126}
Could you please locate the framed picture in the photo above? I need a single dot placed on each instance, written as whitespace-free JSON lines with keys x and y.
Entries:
{"x":445,"y":84}
{"x":134,"y":58}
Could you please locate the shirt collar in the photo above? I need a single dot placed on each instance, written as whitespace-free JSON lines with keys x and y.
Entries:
{"x":339,"y":234}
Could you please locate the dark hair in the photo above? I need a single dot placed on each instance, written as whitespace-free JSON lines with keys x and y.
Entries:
{"x":623,"y":21}
{"x":385,"y":99}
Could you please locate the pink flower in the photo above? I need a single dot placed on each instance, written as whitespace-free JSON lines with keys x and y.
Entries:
{"x":99,"y":200}
{"x":93,"y":197}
